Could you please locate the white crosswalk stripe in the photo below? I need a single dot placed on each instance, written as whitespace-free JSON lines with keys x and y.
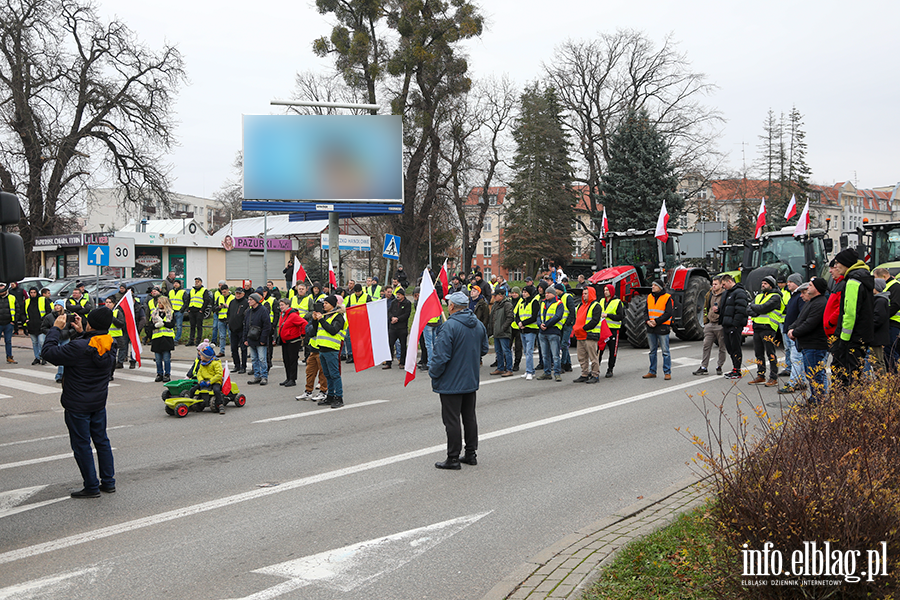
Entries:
{"x":40,"y":374}
{"x":25,"y":386}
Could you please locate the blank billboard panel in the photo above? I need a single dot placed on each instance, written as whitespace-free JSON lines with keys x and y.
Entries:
{"x":323,"y":157}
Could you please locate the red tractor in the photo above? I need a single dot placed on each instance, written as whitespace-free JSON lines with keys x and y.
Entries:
{"x":643,"y":259}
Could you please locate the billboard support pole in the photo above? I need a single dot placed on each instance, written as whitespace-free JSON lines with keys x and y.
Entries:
{"x":334,"y":240}
{"x":265,"y":248}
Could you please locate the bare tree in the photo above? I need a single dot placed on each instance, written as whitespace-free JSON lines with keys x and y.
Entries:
{"x":76,"y":94}
{"x":600,"y":80}
{"x":323,"y":87}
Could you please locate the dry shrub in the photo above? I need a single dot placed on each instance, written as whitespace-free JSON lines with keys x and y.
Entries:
{"x":825,"y":473}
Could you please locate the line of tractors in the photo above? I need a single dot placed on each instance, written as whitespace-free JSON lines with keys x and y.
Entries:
{"x":642,"y":259}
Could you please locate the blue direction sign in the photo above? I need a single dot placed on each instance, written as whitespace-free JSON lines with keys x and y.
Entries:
{"x":391,"y":246}
{"x":98,"y":256}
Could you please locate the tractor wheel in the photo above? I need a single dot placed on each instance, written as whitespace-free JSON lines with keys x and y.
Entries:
{"x":170,"y":411}
{"x":182,"y":410}
{"x":692,"y":310}
{"x":635,"y":322}
{"x":166,"y":394}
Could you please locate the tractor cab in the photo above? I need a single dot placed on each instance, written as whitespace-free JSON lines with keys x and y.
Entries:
{"x":881,"y":243}
{"x":727,"y":259}
{"x":780,"y":253}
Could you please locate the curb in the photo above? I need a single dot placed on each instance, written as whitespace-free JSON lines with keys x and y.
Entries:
{"x":567,"y":568}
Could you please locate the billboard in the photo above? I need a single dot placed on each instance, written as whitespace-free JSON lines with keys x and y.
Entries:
{"x":323,"y":157}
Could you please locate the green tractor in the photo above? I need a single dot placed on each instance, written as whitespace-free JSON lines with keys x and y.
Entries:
{"x":780,"y":253}
{"x":880,"y":245}
{"x":727,"y":260}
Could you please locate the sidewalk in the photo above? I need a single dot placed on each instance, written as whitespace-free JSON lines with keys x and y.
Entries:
{"x":567,"y":568}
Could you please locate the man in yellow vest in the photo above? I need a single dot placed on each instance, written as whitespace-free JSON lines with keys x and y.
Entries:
{"x":218,"y":297}
{"x":356,"y":298}
{"x":660,"y":309}
{"x":178,"y":298}
{"x":330,"y":333}
{"x":118,"y":332}
{"x":613,"y":310}
{"x":527,"y":313}
{"x":892,"y":287}
{"x":35,"y":309}
{"x":553,"y":315}
{"x":372,"y":288}
{"x":766,"y":312}
{"x":221,"y":323}
{"x":515,"y":296}
{"x":197,"y":302}
{"x":782,"y":282}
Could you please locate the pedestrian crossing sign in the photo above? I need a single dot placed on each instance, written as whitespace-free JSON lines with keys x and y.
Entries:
{"x":391,"y":246}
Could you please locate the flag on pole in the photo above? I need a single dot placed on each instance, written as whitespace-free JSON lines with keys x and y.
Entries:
{"x":802,"y":227}
{"x":127,"y":305}
{"x":604,"y":228}
{"x":662,"y":233}
{"x":299,"y":273}
{"x":429,"y":307}
{"x":760,"y":219}
{"x":332,"y":279}
{"x":226,"y":378}
{"x":445,"y":280}
{"x":368,"y":325}
{"x":791,"y":208}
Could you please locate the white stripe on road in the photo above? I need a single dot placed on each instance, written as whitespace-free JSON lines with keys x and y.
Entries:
{"x":42,"y":375}
{"x":25,"y":386}
{"x":187,"y":511}
{"x":54,"y":437}
{"x":136,"y":378}
{"x":35,"y":461}
{"x":319,"y":412}
{"x":18,"y":509}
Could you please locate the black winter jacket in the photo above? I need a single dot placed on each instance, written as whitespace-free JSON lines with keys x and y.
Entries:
{"x":501,"y":319}
{"x":235,"y":315}
{"x":792,"y":311}
{"x":401,"y":310}
{"x":735,"y":303}
{"x":882,"y":327}
{"x":90,"y":359}
{"x":258,"y":317}
{"x":808,"y":331}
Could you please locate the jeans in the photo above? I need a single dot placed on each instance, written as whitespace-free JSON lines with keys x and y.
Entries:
{"x":565,"y":342}
{"x":814,"y":369}
{"x":504,"y":354}
{"x":660,"y":341}
{"x":220,"y":331}
{"x":347,"y":349}
{"x":215,"y":331}
{"x":331,"y":366}
{"x":37,"y":342}
{"x":258,"y":357}
{"x":163,"y":363}
{"x":428,"y":335}
{"x":550,"y":349}
{"x":83,"y":428}
{"x":528,"y":340}
{"x":795,"y":362}
{"x":7,"y":337}
{"x":787,"y":354}
{"x":179,"y":321}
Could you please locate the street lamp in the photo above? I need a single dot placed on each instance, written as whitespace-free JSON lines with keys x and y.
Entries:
{"x":182,"y":214}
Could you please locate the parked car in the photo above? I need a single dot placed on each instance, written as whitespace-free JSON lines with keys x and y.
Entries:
{"x":37,"y":282}
{"x":141,"y":287}
{"x":62,"y":288}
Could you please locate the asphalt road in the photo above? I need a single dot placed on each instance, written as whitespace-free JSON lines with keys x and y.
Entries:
{"x":285,"y":499}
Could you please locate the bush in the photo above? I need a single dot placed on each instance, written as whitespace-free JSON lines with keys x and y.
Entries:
{"x":829,"y":473}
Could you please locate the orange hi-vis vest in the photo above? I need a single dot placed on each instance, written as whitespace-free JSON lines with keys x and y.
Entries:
{"x":656,"y":307}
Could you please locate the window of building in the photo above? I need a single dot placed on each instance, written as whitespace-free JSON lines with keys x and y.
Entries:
{"x":516,"y":275}
{"x":487,"y":224}
{"x":577,"y":246}
{"x":492,"y":199}
{"x":487,"y":248}
{"x":487,"y":273}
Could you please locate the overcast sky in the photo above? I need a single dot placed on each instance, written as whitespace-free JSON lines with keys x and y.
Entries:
{"x":836,"y":61}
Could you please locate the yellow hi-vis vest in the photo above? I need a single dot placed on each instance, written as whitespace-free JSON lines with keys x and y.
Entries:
{"x":44,"y":305}
{"x":610,"y":313}
{"x":354,"y":300}
{"x":115,"y":331}
{"x":163,"y":332}
{"x":12,"y":307}
{"x":549,"y":313}
{"x":595,"y":306}
{"x":565,"y":302}
{"x":303,"y":305}
{"x":525,"y":312}
{"x":151,"y":304}
{"x":226,"y":300}
{"x":774,"y":318}
{"x":197,"y":297}
{"x":374,"y":292}
{"x":325,"y":339}
{"x":895,"y":317}
{"x":270,"y":304}
{"x":515,"y":324}
{"x":176,"y":299}
{"x":218,"y":298}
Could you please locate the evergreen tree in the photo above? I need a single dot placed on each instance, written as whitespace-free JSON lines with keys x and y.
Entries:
{"x":783,"y":165}
{"x":540,"y":212}
{"x":639,"y":175}
{"x":797,"y":181}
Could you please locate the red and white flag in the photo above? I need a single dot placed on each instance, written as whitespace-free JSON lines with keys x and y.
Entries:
{"x":802,"y":227}
{"x":127,"y":306}
{"x":226,"y":378}
{"x":604,"y":228}
{"x":445,"y":280}
{"x":605,"y":334}
{"x":299,"y":273}
{"x":662,"y":233}
{"x":791,"y":208}
{"x":429,"y":307}
{"x":332,"y":279}
{"x":760,"y":219}
{"x":368,"y":325}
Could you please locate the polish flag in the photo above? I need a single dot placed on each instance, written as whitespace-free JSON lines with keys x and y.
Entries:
{"x":226,"y":378}
{"x":760,"y":219}
{"x":605,"y":334}
{"x":331,"y":277}
{"x":445,"y":280}
{"x":604,"y":228}
{"x":802,"y":227}
{"x":791,"y":208}
{"x":127,"y":305}
{"x":299,"y":273}
{"x":429,"y":307}
{"x":368,"y":325}
{"x":662,"y":233}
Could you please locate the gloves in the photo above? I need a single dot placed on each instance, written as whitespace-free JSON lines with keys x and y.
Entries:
{"x":204,"y":384}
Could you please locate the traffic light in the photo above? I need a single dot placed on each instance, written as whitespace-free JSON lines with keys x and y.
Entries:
{"x":12,"y":249}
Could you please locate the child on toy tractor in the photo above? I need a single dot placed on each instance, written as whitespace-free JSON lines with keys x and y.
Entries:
{"x":209,"y":375}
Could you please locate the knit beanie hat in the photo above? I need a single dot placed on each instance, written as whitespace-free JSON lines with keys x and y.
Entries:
{"x":552,"y":289}
{"x":795,"y":278}
{"x":256,"y":296}
{"x":770,"y":280}
{"x":100,"y":318}
{"x":332,"y":300}
{"x":820,"y":284}
{"x":530,"y":289}
{"x":659,"y":283}
{"x":459,"y":299}
{"x":847,"y":257}
{"x":880,"y":284}
{"x":207,"y":354}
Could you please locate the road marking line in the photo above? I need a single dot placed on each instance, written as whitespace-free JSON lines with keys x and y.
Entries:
{"x":211,"y":505}
{"x":54,"y":437}
{"x":118,"y":374}
{"x":35,"y":461}
{"x":42,"y":375}
{"x":25,"y":386}
{"x":24,"y":507}
{"x":318,"y":412}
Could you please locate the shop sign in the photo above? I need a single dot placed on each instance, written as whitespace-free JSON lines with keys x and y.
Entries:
{"x":69,"y":239}
{"x":96,"y":239}
{"x":252,"y":243}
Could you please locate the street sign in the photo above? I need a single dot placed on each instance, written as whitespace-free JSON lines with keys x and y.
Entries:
{"x":98,"y":256}
{"x":121,"y":252}
{"x":360,"y":243}
{"x":391,"y":246}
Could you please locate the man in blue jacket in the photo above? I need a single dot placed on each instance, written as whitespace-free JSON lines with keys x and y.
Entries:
{"x":91,"y":358}
{"x":455,"y":369}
